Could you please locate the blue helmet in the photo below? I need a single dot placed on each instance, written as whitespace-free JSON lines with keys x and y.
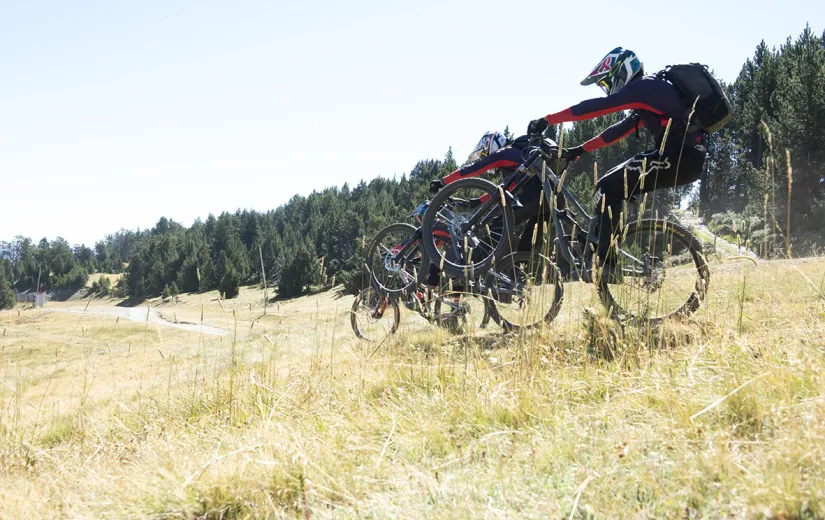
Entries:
{"x":615,"y":70}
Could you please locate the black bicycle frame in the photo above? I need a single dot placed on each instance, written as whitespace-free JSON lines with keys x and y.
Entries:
{"x":583,"y":224}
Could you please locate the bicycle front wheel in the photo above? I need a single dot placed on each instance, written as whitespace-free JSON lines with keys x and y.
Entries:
{"x":467,"y":225}
{"x":661,"y":272}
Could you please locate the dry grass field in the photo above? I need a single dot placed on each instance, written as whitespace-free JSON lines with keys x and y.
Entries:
{"x":111,"y":412}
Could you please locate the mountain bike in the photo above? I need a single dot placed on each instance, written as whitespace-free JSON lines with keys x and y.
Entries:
{"x":397,"y":268}
{"x":662,"y":269}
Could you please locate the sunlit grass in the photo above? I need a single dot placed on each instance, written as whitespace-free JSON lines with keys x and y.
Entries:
{"x":703,"y":417}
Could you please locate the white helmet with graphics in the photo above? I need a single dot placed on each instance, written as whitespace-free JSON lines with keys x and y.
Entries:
{"x":490,"y":142}
{"x":618,"y":68}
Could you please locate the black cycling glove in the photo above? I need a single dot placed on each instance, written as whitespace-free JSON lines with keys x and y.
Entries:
{"x":573,"y":154}
{"x":537,"y":126}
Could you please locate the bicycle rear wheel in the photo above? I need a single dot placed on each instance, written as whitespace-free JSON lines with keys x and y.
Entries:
{"x":526,"y":290}
{"x":464,"y":240}
{"x":664,"y":273}
{"x":374,"y":315}
{"x":393,"y":257}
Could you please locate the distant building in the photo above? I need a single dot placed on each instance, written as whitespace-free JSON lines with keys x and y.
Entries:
{"x":38,"y":299}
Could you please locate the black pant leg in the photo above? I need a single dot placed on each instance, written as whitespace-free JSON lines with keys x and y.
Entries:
{"x":675,"y":167}
{"x":533,"y":211}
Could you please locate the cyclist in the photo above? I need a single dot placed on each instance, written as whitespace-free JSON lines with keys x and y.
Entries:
{"x":654,"y":101}
{"x":494,"y":151}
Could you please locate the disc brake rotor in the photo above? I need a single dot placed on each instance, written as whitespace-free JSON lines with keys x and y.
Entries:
{"x":390,"y":264}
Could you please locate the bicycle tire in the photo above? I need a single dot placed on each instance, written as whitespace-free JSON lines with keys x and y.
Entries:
{"x":399,"y":228}
{"x":358,"y":324}
{"x":474,"y":269}
{"x":699,"y":261}
{"x":534,"y":260}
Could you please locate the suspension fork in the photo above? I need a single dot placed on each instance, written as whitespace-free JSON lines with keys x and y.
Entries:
{"x":381,"y":308}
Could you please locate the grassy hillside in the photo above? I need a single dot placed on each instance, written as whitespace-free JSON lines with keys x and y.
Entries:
{"x":289,"y":415}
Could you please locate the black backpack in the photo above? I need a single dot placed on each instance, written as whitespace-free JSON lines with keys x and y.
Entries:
{"x":697,"y":85}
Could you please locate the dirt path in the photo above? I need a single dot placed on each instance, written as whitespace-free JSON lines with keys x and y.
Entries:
{"x":704,"y":234}
{"x":143,"y":315}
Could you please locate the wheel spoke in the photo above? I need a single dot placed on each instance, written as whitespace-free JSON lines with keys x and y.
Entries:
{"x":476,"y":235}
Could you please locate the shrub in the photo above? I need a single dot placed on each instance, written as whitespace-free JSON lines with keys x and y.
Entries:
{"x":299,"y":272}
{"x":121,"y":288}
{"x":353,"y":280}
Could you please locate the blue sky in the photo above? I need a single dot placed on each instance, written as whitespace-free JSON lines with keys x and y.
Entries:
{"x":116,"y":113}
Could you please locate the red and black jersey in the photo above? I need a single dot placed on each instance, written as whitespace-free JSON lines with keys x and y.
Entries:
{"x":652,"y":100}
{"x":508,"y":157}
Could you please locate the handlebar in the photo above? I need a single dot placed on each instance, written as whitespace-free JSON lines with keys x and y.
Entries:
{"x":549,"y":149}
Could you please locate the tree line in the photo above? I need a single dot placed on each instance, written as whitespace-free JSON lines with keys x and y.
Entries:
{"x":58,"y":266}
{"x":765,"y":175}
{"x":307,"y":242}
{"x":764,"y":180}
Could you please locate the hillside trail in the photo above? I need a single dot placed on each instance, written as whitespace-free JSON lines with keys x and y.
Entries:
{"x":723,"y":247}
{"x":141,"y":315}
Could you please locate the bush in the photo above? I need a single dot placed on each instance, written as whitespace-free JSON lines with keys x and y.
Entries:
{"x":353,"y":280}
{"x":169,"y":291}
{"x":121,"y":289}
{"x":750,"y":229}
{"x":729,"y":224}
{"x":101,"y":287}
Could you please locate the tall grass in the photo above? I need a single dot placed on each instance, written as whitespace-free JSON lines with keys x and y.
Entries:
{"x":713,"y":416}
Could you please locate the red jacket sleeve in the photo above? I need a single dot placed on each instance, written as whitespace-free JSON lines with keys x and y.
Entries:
{"x":637,"y":95}
{"x":614,"y":133}
{"x":505,"y":157}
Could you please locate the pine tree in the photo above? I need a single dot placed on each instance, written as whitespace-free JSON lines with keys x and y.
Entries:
{"x":230,"y":283}
{"x":299,"y":273}
{"x":7,"y":296}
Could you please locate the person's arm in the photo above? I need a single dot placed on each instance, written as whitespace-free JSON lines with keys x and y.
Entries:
{"x":613,"y":134}
{"x":500,"y":159}
{"x":637,"y":95}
